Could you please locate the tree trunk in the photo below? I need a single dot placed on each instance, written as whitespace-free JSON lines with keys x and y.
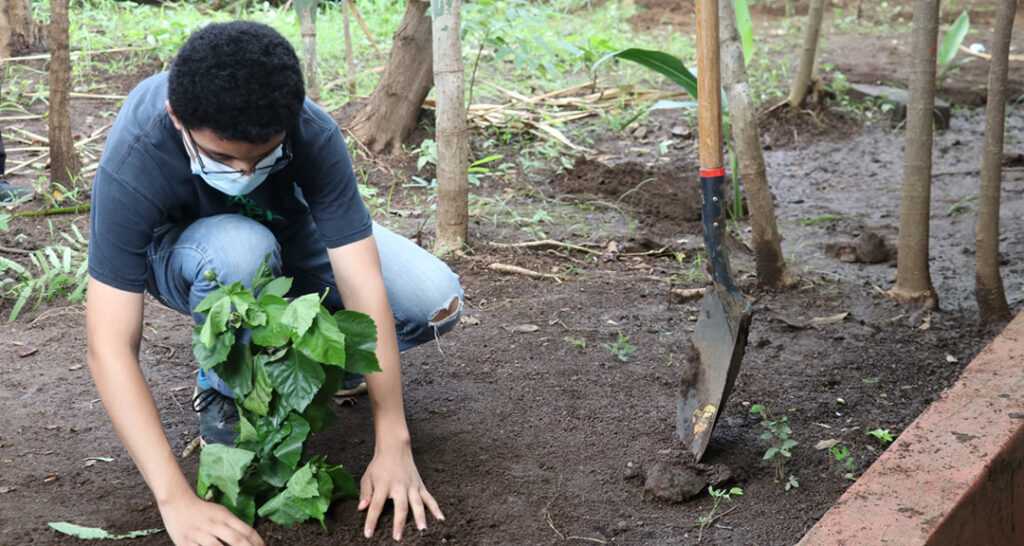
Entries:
{"x":988,"y":287}
{"x":391,"y":111}
{"x":64,"y":163}
{"x":306,"y":11}
{"x":805,"y":70}
{"x":771,"y":266}
{"x":19,"y":33}
{"x":450,"y":123}
{"x":349,"y":59}
{"x":913,"y":281}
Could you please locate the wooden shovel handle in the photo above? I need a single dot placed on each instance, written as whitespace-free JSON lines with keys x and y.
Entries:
{"x":709,"y":86}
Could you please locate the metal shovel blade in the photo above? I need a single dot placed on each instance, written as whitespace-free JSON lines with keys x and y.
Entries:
{"x":720,"y":338}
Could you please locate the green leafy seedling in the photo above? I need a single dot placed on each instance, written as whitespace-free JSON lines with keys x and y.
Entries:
{"x":621,"y":349}
{"x":717,"y":495}
{"x":881,"y":435}
{"x":842,"y":456}
{"x":777,"y":434}
{"x":284,"y":379}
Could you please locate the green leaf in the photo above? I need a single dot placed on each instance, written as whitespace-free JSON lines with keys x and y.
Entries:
{"x":243,"y":507}
{"x":216,"y":321}
{"x":296,"y":378}
{"x":263,"y":275}
{"x":209,"y":357}
{"x":274,"y":471}
{"x":237,"y":370}
{"x":97,"y":533}
{"x":246,"y":432}
{"x":344,"y":485}
{"x":289,"y":451}
{"x":222,"y":467}
{"x":277,"y":287}
{"x":246,"y":306}
{"x":299,"y":315}
{"x":274,"y":332}
{"x":953,"y":38}
{"x":746,"y":29}
{"x":258,"y":399}
{"x":360,"y":341}
{"x":323,"y":342}
{"x":282,"y":510}
{"x":302,"y":484}
{"x":663,"y":63}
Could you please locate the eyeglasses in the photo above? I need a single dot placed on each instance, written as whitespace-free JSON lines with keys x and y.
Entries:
{"x":286,"y":156}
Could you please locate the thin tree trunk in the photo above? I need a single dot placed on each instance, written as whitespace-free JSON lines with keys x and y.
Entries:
{"x":805,"y":70}
{"x":988,"y":287}
{"x":913,"y":281}
{"x":349,"y":59}
{"x":391,"y":111}
{"x":64,"y":162}
{"x":771,"y":265}
{"x":452,"y":182}
{"x":19,"y":33}
{"x":306,"y":10}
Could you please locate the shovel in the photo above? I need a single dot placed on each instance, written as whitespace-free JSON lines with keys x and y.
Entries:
{"x":724,"y":320}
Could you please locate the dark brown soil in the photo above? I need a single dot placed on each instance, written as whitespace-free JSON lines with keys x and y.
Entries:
{"x":526,"y":428}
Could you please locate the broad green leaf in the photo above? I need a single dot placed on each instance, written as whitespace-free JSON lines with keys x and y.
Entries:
{"x":277,"y":287}
{"x":360,"y":341}
{"x":209,"y":357}
{"x":222,"y":467}
{"x":258,"y":399}
{"x":246,"y":432}
{"x":674,"y":105}
{"x":296,"y":378}
{"x":274,"y":471}
{"x":270,"y":433}
{"x":302,"y":484}
{"x":88,"y":533}
{"x":316,"y":505}
{"x":323,"y":342}
{"x":663,"y":63}
{"x":237,"y":370}
{"x":344,"y":485}
{"x":282,"y":510}
{"x":263,"y":275}
{"x":953,"y":38}
{"x":746,"y":28}
{"x":289,"y":451}
{"x":300,"y":314}
{"x":216,"y":321}
{"x":274,"y":333}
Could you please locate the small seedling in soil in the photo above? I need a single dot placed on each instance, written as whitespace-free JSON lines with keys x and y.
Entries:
{"x":284,"y":376}
{"x":620,"y":349}
{"x":881,"y":435}
{"x":843,"y":457}
{"x":777,"y":433}
{"x":717,"y":496}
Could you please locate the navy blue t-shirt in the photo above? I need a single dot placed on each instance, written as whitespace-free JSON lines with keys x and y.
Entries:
{"x":145,"y":182}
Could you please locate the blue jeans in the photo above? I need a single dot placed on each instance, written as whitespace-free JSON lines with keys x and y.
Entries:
{"x":419,"y":285}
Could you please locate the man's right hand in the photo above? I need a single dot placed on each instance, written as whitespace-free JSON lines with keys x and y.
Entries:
{"x":191,"y":521}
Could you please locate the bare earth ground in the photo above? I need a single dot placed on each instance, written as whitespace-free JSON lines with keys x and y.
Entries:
{"x":525,"y":427}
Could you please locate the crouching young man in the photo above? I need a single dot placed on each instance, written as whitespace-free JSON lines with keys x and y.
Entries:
{"x":213,"y":166}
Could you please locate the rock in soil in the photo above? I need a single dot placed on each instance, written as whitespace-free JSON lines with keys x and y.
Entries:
{"x":673,"y":481}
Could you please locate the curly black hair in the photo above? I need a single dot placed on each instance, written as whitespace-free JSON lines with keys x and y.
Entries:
{"x":241,"y":80}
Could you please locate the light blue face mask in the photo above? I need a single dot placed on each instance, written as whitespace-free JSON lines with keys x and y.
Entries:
{"x":232,"y":181}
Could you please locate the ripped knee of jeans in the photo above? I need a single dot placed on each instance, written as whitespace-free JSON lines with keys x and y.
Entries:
{"x":445,"y":319}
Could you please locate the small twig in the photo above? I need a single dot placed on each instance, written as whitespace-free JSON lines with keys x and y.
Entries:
{"x":95,"y":96}
{"x":48,"y":212}
{"x":366,"y":29}
{"x":551,"y":523}
{"x":9,"y":250}
{"x":45,"y":56}
{"x":191,"y":447}
{"x":986,"y":56}
{"x":516,"y":270}
{"x":542,"y":243}
{"x":20,"y":118}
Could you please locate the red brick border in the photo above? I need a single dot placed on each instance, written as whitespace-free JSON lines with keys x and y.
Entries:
{"x":956,"y":474}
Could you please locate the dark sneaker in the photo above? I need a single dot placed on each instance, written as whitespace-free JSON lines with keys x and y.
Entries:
{"x":352,"y":385}
{"x":218,"y":417}
{"x":14,"y":195}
